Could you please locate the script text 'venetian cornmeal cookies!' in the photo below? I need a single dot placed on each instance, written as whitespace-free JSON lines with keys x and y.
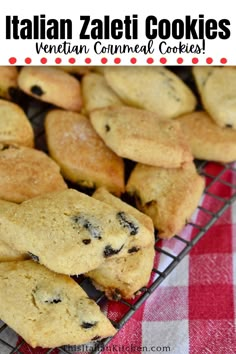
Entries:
{"x":15,"y":128}
{"x":48,"y":309}
{"x":168,"y":196}
{"x":217,"y":88}
{"x":51,"y":85}
{"x":155,"y":89}
{"x":206,"y":139}
{"x":81,"y":153}
{"x":26,"y":173}
{"x":70,"y":232}
{"x":142,"y":136}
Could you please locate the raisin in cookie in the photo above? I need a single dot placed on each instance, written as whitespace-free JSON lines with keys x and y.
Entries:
{"x":207,"y":140}
{"x":81,"y":153}
{"x":141,"y":136}
{"x":26,"y":173}
{"x":70,"y":232}
{"x":51,"y":85}
{"x":8,"y":81}
{"x":15,"y":127}
{"x":217,"y":89}
{"x":48,"y":309}
{"x":155,"y":89}
{"x":168,"y":196}
{"x":97,"y":94}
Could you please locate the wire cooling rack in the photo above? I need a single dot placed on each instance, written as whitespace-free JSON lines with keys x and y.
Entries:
{"x":185,"y":241}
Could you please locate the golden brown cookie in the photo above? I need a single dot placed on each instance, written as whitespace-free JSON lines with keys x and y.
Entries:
{"x":155,"y":89}
{"x":217,"y":88}
{"x":51,"y":85}
{"x":80,"y":152}
{"x":48,"y":309}
{"x":8,"y":81}
{"x":97,"y":94}
{"x":26,"y":173}
{"x":168,"y":196}
{"x":141,"y":136}
{"x":206,"y":139}
{"x":15,"y":127}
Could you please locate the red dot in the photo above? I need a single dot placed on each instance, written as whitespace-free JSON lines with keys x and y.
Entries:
{"x":223,"y":60}
{"x":150,"y":60}
{"x":72,"y":60}
{"x":104,"y":60}
{"x":180,"y":60}
{"x":209,"y":60}
{"x":43,"y":60}
{"x":58,"y":60}
{"x":87,"y":60}
{"x":133,"y":60}
{"x":12,"y":60}
{"x":163,"y":60}
{"x":195,"y":60}
{"x":28,"y":60}
{"x":117,"y":60}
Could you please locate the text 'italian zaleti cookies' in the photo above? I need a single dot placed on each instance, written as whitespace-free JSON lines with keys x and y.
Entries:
{"x":217,"y":88}
{"x":206,"y":139}
{"x":15,"y":128}
{"x":155,"y":89}
{"x":123,"y":277}
{"x":70,"y":232}
{"x":26,"y":173}
{"x":168,"y":196}
{"x":141,"y":136}
{"x":81,"y":153}
{"x":48,"y":309}
{"x":51,"y":85}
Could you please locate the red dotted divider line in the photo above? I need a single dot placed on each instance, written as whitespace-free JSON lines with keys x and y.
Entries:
{"x":117,"y":60}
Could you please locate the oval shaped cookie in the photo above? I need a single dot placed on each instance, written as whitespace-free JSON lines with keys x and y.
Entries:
{"x":8,"y":81}
{"x":15,"y":127}
{"x":51,"y":85}
{"x":26,"y":173}
{"x":155,"y":89}
{"x":80,"y":152}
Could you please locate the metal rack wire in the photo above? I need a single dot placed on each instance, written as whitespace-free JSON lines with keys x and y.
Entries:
{"x":212,"y":214}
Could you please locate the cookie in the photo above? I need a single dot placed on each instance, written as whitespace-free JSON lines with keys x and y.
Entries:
{"x":70,"y":232}
{"x":168,"y":196}
{"x":123,"y":277}
{"x":48,"y":309}
{"x":141,"y":136}
{"x":81,"y":153}
{"x":207,"y":140}
{"x":51,"y":85}
{"x":15,"y":127}
{"x":26,"y":173}
{"x":97,"y":94}
{"x":155,"y":89}
{"x":217,"y":89}
{"x":8,"y":81}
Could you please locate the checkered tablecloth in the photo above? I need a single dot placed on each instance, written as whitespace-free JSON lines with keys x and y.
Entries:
{"x":194,"y":309}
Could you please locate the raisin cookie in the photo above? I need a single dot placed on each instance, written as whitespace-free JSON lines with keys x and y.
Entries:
{"x":97,"y":94}
{"x":70,"y":232}
{"x":14,"y":125}
{"x":48,"y":309}
{"x":51,"y":85}
{"x":155,"y":89}
{"x":207,"y":140}
{"x":26,"y":173}
{"x":81,"y":153}
{"x":217,"y":89}
{"x":8,"y":81}
{"x":168,"y":196}
{"x":141,"y":136}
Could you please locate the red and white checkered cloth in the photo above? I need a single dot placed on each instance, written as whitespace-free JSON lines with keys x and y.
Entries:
{"x":194,"y":309}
